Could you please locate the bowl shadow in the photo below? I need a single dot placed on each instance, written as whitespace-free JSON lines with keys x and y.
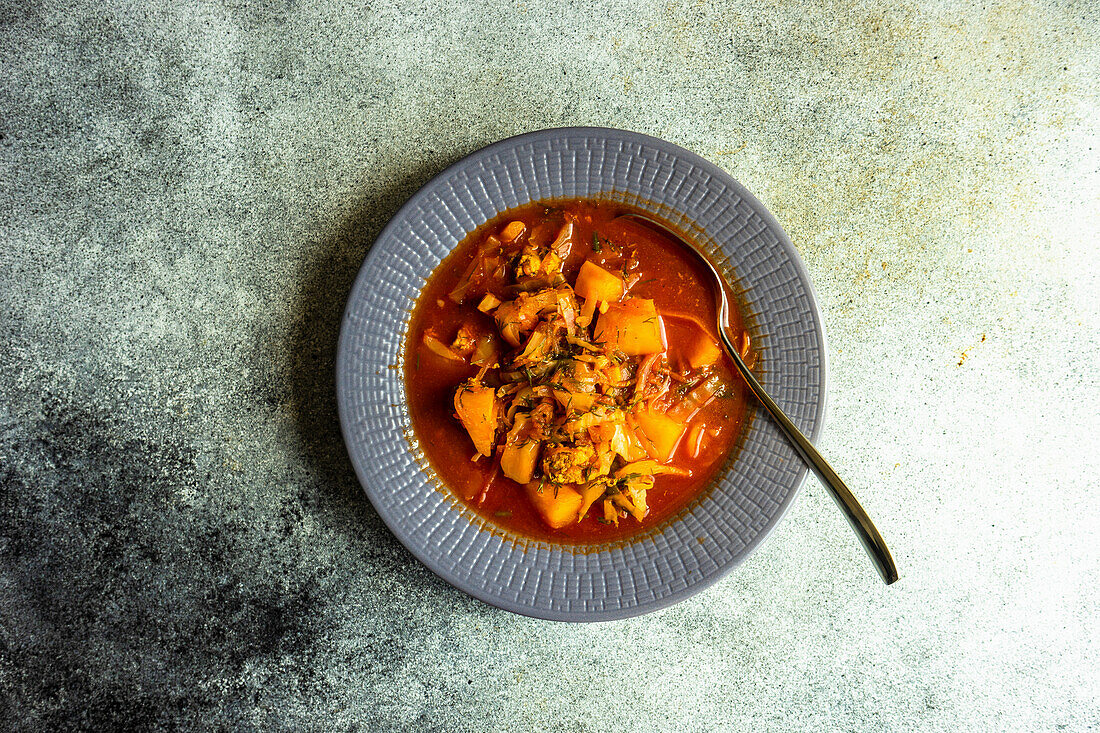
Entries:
{"x":327,"y":279}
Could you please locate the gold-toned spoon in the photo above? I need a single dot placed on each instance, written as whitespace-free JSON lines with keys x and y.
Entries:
{"x":868,"y":535}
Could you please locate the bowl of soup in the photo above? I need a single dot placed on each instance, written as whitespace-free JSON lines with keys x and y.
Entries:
{"x":531,"y":385}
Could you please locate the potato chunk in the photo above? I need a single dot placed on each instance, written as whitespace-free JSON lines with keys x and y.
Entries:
{"x":521,"y":453}
{"x":703,"y":351}
{"x":659,"y":433}
{"x":596,"y":283}
{"x":633,"y":327}
{"x":558,"y":505}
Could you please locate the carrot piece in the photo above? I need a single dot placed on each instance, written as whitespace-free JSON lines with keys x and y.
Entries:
{"x":558,"y":505}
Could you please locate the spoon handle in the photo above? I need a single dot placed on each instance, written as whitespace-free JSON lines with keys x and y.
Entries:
{"x":868,"y":535}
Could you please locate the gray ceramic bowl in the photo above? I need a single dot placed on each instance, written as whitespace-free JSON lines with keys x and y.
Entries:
{"x":687,"y":553}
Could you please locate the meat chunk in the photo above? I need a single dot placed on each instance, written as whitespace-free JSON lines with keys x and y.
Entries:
{"x":567,"y":465}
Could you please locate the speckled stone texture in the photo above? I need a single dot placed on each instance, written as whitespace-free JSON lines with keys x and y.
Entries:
{"x":188,"y":190}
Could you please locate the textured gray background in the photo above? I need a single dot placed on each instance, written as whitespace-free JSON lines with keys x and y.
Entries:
{"x":189,"y":189}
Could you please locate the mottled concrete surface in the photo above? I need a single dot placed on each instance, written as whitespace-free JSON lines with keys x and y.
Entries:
{"x":188,"y":190}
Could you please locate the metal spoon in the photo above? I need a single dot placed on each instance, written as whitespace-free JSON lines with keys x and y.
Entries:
{"x":869,"y":537}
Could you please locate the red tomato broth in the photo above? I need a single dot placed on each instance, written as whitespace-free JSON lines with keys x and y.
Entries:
{"x":669,"y":276}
